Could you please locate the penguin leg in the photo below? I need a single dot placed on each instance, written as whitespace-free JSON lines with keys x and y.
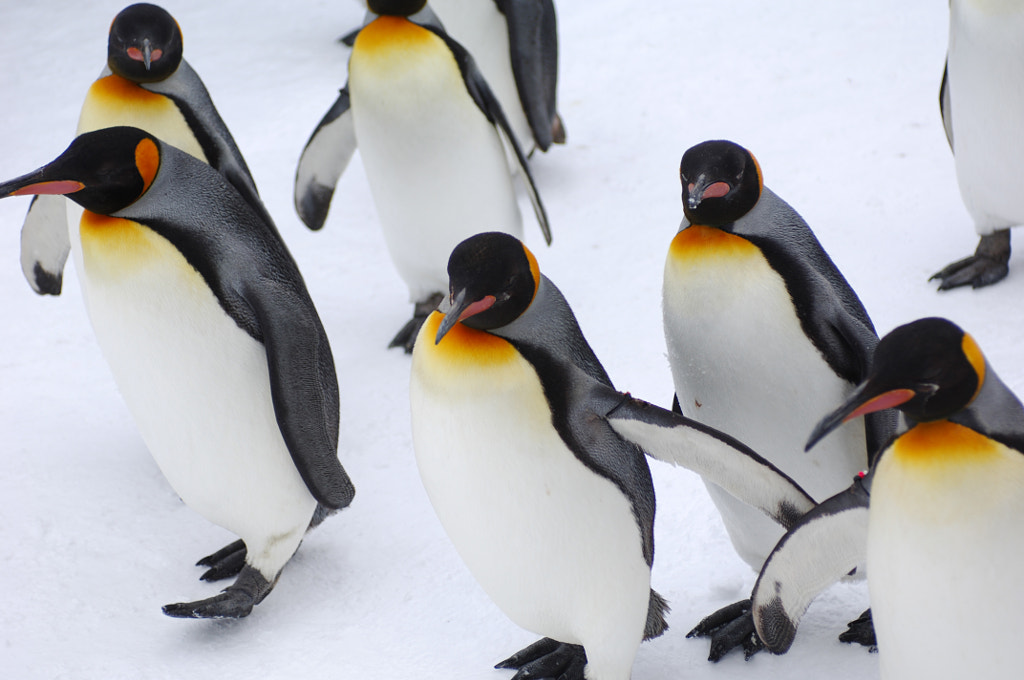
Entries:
{"x":406,"y":337}
{"x":988,"y":265}
{"x":730,"y":627}
{"x":229,"y":560}
{"x":545,"y":659}
{"x":861,"y":631}
{"x":234,"y":602}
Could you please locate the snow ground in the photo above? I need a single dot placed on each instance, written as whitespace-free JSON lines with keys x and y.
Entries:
{"x":839,"y":103}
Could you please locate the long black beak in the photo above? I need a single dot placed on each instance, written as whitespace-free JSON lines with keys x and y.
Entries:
{"x":147,"y":52}
{"x":864,"y":400}
{"x":451,"y":317}
{"x":41,"y":181}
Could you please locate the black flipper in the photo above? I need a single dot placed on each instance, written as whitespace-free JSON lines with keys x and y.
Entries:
{"x":323,"y":161}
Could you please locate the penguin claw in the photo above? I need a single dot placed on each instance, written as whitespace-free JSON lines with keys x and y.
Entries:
{"x":547,"y":659}
{"x":406,"y":338}
{"x":861,"y":631}
{"x":234,"y":602}
{"x":989,"y":264}
{"x":226,"y":562}
{"x":730,"y":627}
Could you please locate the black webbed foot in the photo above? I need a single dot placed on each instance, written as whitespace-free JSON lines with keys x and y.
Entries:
{"x":861,"y":631}
{"x":226,"y":562}
{"x":730,"y":627}
{"x":547,"y":659}
{"x":988,"y":265}
{"x":406,"y":338}
{"x":234,"y":602}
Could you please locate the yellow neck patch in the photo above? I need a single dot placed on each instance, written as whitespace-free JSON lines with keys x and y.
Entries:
{"x":115,"y":246}
{"x":388,"y":32}
{"x":698,"y":242}
{"x":114,"y":89}
{"x":939,"y":444}
{"x":463,"y":346}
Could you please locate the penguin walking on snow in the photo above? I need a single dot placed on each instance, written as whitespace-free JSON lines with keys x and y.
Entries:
{"x":944,"y":545}
{"x":213,"y":341}
{"x":982,"y":108}
{"x":146,"y":84}
{"x":535,"y":464}
{"x":515,"y":44}
{"x":761,"y":329}
{"x":431,"y":136}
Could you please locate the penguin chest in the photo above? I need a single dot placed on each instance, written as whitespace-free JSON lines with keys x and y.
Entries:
{"x":196,"y":384}
{"x":985,"y":76}
{"x":742,"y":363}
{"x":556,"y":546}
{"x":944,"y":554}
{"x":435,"y":165}
{"x":113,"y":101}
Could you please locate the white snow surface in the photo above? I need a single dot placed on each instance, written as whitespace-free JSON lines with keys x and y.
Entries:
{"x":838,"y":102}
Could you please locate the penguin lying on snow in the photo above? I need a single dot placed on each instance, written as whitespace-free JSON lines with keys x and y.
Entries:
{"x":944,"y":545}
{"x":761,"y":329}
{"x":431,"y":135}
{"x":534,"y":464}
{"x":982,"y":110}
{"x":515,"y":44}
{"x":213,"y":340}
{"x":146,"y":84}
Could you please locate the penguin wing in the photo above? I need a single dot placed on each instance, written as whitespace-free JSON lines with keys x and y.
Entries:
{"x":323,"y":160}
{"x":533,"y":47}
{"x":481,"y":93}
{"x":45,"y":244}
{"x":825,"y":545}
{"x":189,"y":94}
{"x":714,"y":455}
{"x":303,"y":386}
{"x":946,"y":105}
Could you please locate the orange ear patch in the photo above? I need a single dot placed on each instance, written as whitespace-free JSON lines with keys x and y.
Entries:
{"x":976,"y":358}
{"x":534,"y":270}
{"x":147,"y":160}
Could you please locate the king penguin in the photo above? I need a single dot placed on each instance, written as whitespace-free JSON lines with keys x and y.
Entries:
{"x":431,"y":136}
{"x":944,"y":544}
{"x":761,"y":329}
{"x":146,"y":84}
{"x":213,"y":341}
{"x":535,"y":464}
{"x":982,"y":110}
{"x":515,"y":44}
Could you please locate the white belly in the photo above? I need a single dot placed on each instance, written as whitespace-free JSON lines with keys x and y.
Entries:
{"x":436,"y":167}
{"x":986,"y":80}
{"x":479,"y":27}
{"x":198,"y":389}
{"x":741,"y":363}
{"x":556,"y":546}
{"x":945,"y":549}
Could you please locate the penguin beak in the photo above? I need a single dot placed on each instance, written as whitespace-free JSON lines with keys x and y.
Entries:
{"x":38,"y":182}
{"x":864,"y":400}
{"x":462,"y":308}
{"x":147,"y":52}
{"x":703,"y":189}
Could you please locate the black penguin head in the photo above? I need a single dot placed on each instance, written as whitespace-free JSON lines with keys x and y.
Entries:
{"x":103,"y":171}
{"x":144,"y":44}
{"x":721,"y":183}
{"x":492,"y":281}
{"x":398,"y":8}
{"x":929,"y":369}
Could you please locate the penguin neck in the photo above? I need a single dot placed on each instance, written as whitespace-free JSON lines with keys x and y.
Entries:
{"x":937,"y":444}
{"x":701,"y":241}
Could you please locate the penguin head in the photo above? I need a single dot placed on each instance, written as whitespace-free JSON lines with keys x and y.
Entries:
{"x":493,"y":278}
{"x":721,"y":183}
{"x":144,"y":44}
{"x":398,"y":8}
{"x":103,"y":171}
{"x":929,"y":369}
